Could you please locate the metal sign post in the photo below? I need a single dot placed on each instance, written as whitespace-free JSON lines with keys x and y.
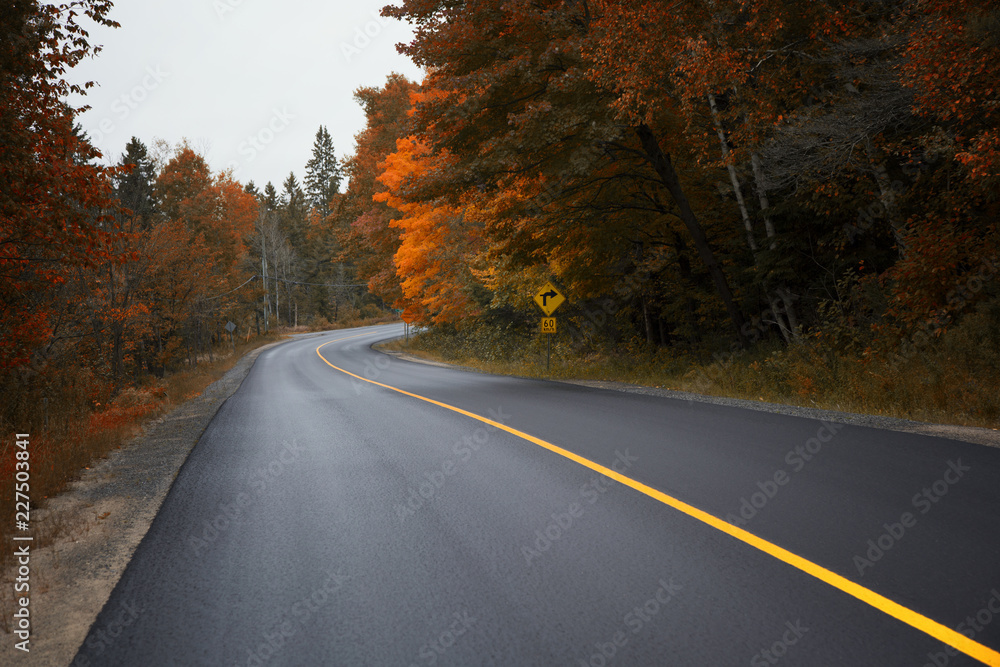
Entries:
{"x":548,"y":299}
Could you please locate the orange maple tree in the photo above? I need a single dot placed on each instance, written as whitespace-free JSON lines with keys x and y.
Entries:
{"x":435,"y":242}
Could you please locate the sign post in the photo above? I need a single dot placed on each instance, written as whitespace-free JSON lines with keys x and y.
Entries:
{"x":230,"y":327}
{"x":548,"y":299}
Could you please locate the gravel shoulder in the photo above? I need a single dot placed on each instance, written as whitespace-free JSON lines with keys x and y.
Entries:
{"x":106,"y":514}
{"x":980,"y":436}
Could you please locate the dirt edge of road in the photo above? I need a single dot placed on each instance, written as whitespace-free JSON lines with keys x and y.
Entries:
{"x":106,"y":513}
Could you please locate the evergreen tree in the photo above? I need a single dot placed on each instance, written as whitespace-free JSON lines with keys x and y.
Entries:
{"x":270,"y":197}
{"x":135,"y":188}
{"x":323,"y":174}
{"x":293,"y":200}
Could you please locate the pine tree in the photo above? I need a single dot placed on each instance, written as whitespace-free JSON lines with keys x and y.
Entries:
{"x":323,"y":174}
{"x":270,"y":197}
{"x":292,"y":197}
{"x":134,"y":189}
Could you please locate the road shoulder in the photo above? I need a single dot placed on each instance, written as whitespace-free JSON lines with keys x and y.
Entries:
{"x":977,"y":435}
{"x":109,"y":510}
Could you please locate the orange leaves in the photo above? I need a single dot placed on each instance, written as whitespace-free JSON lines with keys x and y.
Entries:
{"x":217,"y":208}
{"x":369,"y":240}
{"x":435,"y":243}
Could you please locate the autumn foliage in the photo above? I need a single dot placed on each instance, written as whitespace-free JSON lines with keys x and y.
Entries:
{"x":692,"y":174}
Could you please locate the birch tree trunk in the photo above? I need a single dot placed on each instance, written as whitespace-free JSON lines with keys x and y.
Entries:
{"x":765,"y":206}
{"x":733,"y":179}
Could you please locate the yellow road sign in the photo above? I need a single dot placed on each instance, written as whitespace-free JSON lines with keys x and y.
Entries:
{"x":548,"y":325}
{"x":549,"y":298}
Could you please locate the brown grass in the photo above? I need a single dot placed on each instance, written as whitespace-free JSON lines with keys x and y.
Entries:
{"x":954,"y":379}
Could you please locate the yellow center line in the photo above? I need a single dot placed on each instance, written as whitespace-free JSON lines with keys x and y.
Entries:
{"x":926,"y":625}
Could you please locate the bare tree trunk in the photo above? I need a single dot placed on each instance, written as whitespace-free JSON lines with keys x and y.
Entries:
{"x":734,"y":181}
{"x":887,"y":197}
{"x":747,"y":224}
{"x":648,"y":321}
{"x":661,"y":163}
{"x":765,"y":206}
{"x":263,"y":271}
{"x":277,"y":298}
{"x":211,"y":353}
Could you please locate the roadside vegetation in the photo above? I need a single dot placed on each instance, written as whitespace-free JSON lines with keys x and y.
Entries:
{"x":953,"y":379}
{"x":790,"y":201}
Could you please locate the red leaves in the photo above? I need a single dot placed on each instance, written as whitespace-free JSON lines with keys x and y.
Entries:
{"x":953,"y":65}
{"x":54,"y":205}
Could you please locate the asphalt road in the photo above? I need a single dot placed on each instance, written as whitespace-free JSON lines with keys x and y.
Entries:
{"x":326,"y":520}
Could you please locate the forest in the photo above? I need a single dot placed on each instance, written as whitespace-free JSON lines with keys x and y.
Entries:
{"x":805,"y":190}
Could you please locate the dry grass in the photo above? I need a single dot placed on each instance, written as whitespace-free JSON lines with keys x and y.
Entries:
{"x":954,"y":379}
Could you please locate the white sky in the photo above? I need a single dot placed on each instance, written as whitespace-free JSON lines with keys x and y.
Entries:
{"x":246,"y":82}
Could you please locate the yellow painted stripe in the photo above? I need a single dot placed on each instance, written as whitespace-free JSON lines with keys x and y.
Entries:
{"x":926,"y":625}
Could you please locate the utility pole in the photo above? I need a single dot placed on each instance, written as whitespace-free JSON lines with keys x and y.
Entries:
{"x":263,"y":270}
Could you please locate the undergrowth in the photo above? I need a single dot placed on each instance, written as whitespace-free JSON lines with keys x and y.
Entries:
{"x":952,"y":377}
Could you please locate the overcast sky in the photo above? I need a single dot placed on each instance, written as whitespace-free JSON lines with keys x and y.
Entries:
{"x":246,"y":82}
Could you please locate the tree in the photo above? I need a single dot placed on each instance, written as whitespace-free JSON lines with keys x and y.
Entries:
{"x":53,"y":198}
{"x":323,"y":174}
{"x":436,"y":243}
{"x":134,"y":187}
{"x":366,"y":235}
{"x":543,"y":119}
{"x":270,"y":197}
